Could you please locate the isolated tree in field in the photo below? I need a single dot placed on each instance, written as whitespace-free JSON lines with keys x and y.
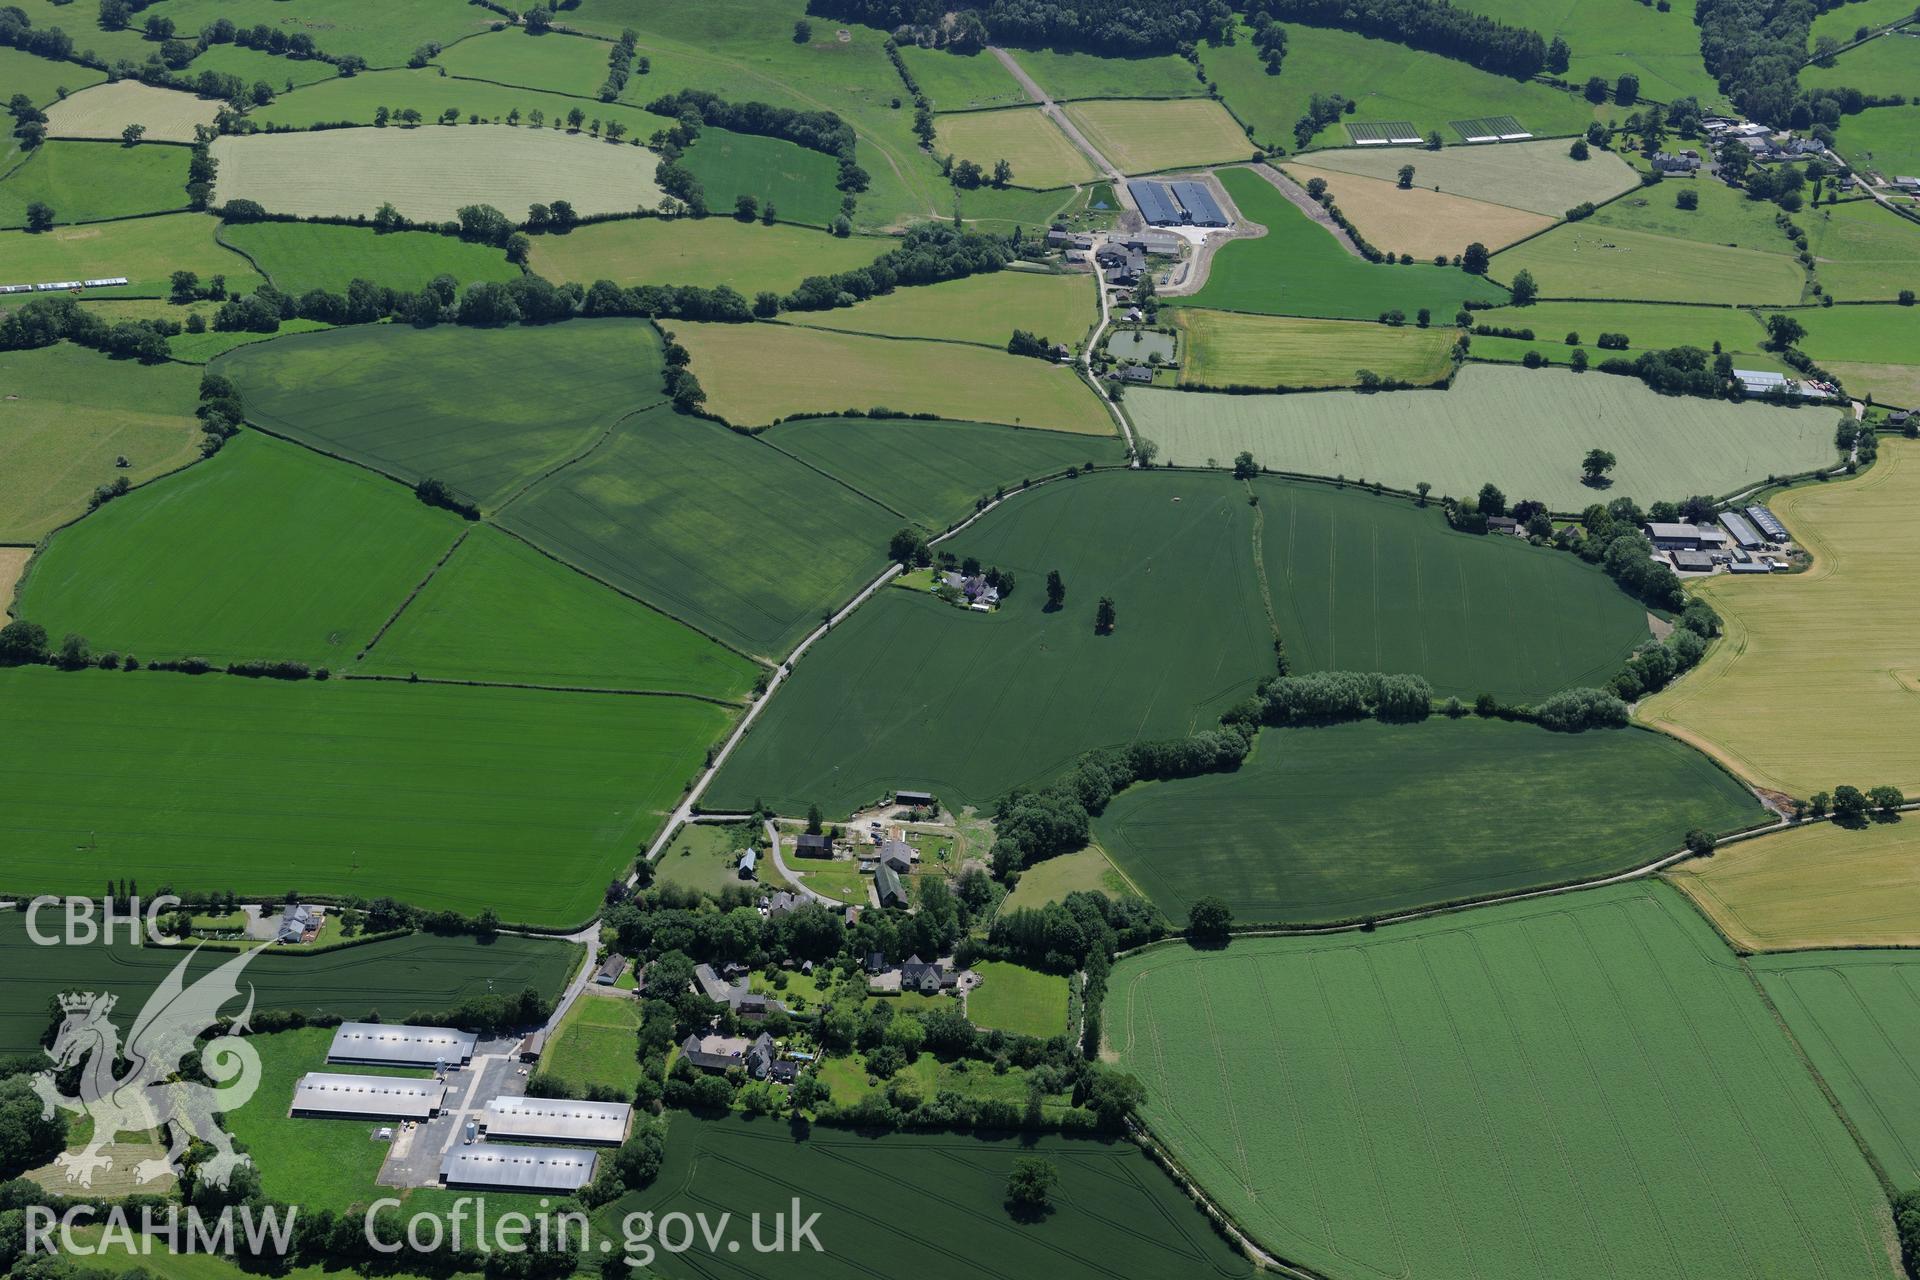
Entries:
{"x":1209,"y":923}
{"x":1577,"y":361}
{"x":1701,"y":843}
{"x":1626,"y":90}
{"x":1423,"y":489}
{"x":1474,"y":260}
{"x":1406,"y":177}
{"x":1687,"y":198}
{"x":1316,"y":187}
{"x":1002,"y":173}
{"x":40,"y":216}
{"x":1595,"y":465}
{"x":1886,"y":798}
{"x":1244,"y":467}
{"x":183,"y":285}
{"x":1579,"y":149}
{"x":1030,"y":1186}
{"x":1056,"y":590}
{"x":1525,"y":290}
{"x":539,"y":20}
{"x":1849,"y":805}
{"x":574,"y":117}
{"x":1103,"y":617}
{"x":115,"y":14}
{"x":802,"y":32}
{"x":1434,"y":141}
{"x":1783,"y":331}
{"x":1558,"y":56}
{"x":132,"y":134}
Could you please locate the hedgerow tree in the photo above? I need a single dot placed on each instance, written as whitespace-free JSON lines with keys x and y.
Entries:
{"x":1209,"y":923}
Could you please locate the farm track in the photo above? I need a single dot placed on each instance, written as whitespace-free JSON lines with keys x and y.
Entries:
{"x":1053,"y":112}
{"x":1298,"y":197}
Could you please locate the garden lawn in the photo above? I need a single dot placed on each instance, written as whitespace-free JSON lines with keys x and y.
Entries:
{"x":500,"y":611}
{"x":1419,"y":220}
{"x":1861,"y":251}
{"x":757,"y":373}
{"x":961,"y":82}
{"x":707,"y":252}
{"x":552,"y":60}
{"x":299,"y":256}
{"x":1815,"y":886}
{"x":1228,"y":348}
{"x":985,"y":309}
{"x":1066,"y":74}
{"x":105,"y":111}
{"x":67,"y":414}
{"x":1592,"y":260}
{"x":1875,"y":349}
{"x":428,"y":174}
{"x":95,"y":181}
{"x":145,"y":250}
{"x":1389,"y":81}
{"x":1855,"y":1015}
{"x":1027,"y":138}
{"x":701,"y":857}
{"x":715,"y":528}
{"x":1547,"y":1090}
{"x":438,"y":795}
{"x":1667,"y":446}
{"x":1815,"y":682}
{"x":596,"y":1045}
{"x":393,"y":979}
{"x":313,"y":557}
{"x":1146,"y":136}
{"x":41,"y":79}
{"x":1115,"y":1214}
{"x":798,"y":181}
{"x":1018,"y":1000}
{"x":1539,"y":177}
{"x":485,"y":410}
{"x":1299,"y":269}
{"x":1083,"y":871}
{"x":934,"y":473}
{"x":1366,"y":819}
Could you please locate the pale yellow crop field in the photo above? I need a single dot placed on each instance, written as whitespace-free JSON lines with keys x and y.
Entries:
{"x":1040,"y":152}
{"x":105,"y":110}
{"x":1815,"y":886}
{"x":1420,"y":220}
{"x":1228,"y":348}
{"x":1145,"y":136}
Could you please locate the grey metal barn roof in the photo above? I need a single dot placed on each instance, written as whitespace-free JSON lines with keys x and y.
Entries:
{"x":1769,"y":523}
{"x":1199,"y":204}
{"x":325,"y":1093}
{"x":557,"y":1120}
{"x":1743,"y":532}
{"x":400,"y":1045}
{"x":1156,"y":203}
{"x":518,"y":1168}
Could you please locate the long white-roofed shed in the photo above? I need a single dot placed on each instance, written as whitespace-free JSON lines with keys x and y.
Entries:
{"x":322,"y":1093}
{"x":512,"y":1168}
{"x":557,"y":1120}
{"x":378,"y":1044}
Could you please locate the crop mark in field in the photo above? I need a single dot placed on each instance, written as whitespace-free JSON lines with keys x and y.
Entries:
{"x":1812,"y":1018}
{"x":1345,"y":1057}
{"x":1217,"y":1041}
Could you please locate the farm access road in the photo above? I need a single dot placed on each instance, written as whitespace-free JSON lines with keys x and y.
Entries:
{"x":1052,"y":110}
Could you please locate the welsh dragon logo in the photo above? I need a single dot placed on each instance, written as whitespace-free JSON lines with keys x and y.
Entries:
{"x":150,"y":1094}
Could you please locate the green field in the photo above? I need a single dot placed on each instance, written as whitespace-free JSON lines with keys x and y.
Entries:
{"x":757,"y":373}
{"x":961,"y":82}
{"x":1147,"y":136}
{"x":597,"y":1043}
{"x":553,"y":60}
{"x":67,"y":414}
{"x":201,"y":348}
{"x":707,"y":252}
{"x":486,"y":410}
{"x":797,"y":181}
{"x":1875,"y":349}
{"x":1882,"y":138}
{"x":1369,"y":819}
{"x":1536,"y":176}
{"x":420,"y":973}
{"x":983,"y":308}
{"x":355,"y":99}
{"x":1039,"y":150}
{"x":87,"y":34}
{"x":145,"y":250}
{"x":1065,"y":74}
{"x":1574,"y":1087}
{"x":430,"y":173}
{"x":1018,"y":1000}
{"x":1854,"y":1013}
{"x":933,"y":472}
{"x":701,"y":857}
{"x":1230,"y":348}
{"x":1725,"y":218}
{"x":912,"y":692}
{"x":1592,"y":260}
{"x":1861,"y":251}
{"x":94,"y":181}
{"x":710,"y":526}
{"x":1649,"y":326}
{"x":381,"y":32}
{"x":251,"y":65}
{"x":1609,"y":37}
{"x":1458,"y":439}
{"x":298,"y":256}
{"x":1554,"y":351}
{"x":42,"y":79}
{"x":1884,"y":65}
{"x":435,"y":794}
{"x":264,"y":551}
{"x":1298,"y":269}
{"x":1389,"y":81}
{"x":500,"y":611}
{"x":1115,"y":1216}
{"x":1085,"y":870}
{"x":1001,"y":210}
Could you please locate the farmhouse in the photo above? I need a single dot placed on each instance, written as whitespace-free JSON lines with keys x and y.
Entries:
{"x":899,"y":855}
{"x":778,"y":904}
{"x":710,"y":983}
{"x":927,"y":977}
{"x":722,"y":1053}
{"x":745,"y":863}
{"x":887,"y":887}
{"x":1131,"y":373}
{"x":610,"y":971}
{"x":812,"y":846}
{"x":1069,"y":240}
{"x":299,"y":924}
{"x":375,"y":1044}
{"x":1684,"y":163}
{"x":515,"y":1168}
{"x":557,"y":1120}
{"x":320,"y":1093}
{"x":1503,"y":524}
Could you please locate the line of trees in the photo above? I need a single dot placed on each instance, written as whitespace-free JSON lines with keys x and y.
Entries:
{"x":1118,"y":26}
{"x":822,"y":131}
{"x":1431,"y":25}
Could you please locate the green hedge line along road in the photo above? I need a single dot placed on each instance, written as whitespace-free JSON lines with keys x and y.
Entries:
{"x":1575,"y":1086}
{"x":1370,"y":819}
{"x":437,"y":795}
